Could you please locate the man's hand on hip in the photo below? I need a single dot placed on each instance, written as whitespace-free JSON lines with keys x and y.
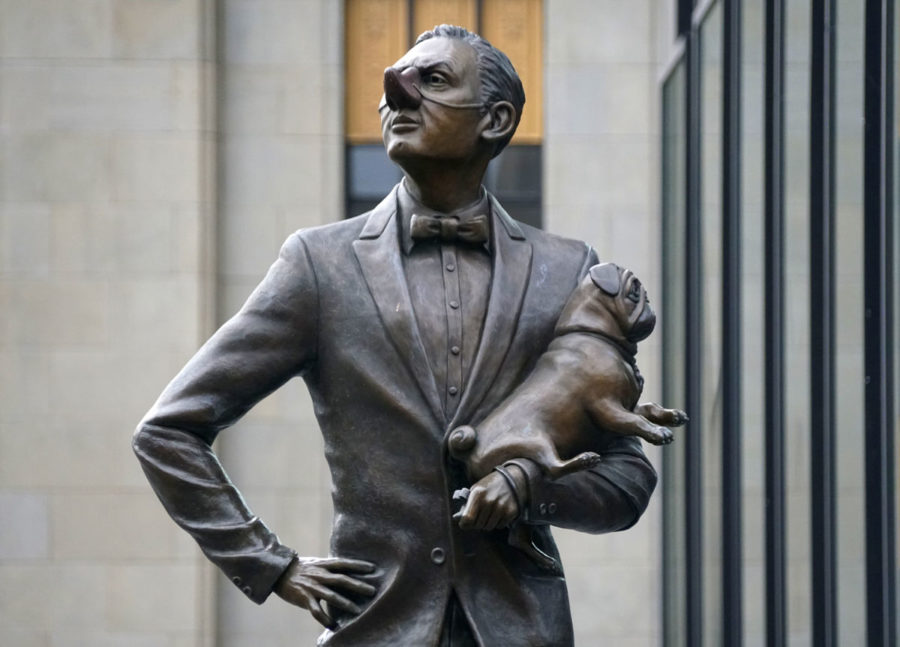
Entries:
{"x":310,"y":581}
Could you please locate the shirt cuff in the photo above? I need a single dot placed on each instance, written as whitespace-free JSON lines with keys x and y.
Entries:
{"x":539,"y":508}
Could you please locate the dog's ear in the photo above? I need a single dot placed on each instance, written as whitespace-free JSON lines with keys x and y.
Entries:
{"x":606,"y":277}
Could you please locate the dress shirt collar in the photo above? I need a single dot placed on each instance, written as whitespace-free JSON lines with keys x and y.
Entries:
{"x":407,"y":206}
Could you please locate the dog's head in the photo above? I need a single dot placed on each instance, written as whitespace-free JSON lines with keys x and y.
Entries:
{"x":611,"y":301}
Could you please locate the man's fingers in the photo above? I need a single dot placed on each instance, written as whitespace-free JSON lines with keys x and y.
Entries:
{"x":468,"y":515}
{"x":335,"y":564}
{"x":333,"y":598}
{"x":477,"y":512}
{"x":499,"y":516}
{"x":293,"y":595}
{"x":310,"y":582}
{"x":485,"y":513}
{"x":312,"y":604}
{"x":350,"y":584}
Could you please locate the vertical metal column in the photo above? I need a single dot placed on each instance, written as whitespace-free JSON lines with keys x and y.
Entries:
{"x":881,"y":593}
{"x":774,"y":325}
{"x":693,"y":353}
{"x":732,"y":560}
{"x":685,"y":9}
{"x":822,"y":324}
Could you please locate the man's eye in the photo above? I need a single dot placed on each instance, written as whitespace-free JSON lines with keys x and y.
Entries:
{"x":434,"y":79}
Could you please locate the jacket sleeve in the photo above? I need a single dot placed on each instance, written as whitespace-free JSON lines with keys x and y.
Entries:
{"x":610,"y":496}
{"x":271,"y":339}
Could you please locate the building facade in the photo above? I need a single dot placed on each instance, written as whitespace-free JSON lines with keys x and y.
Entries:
{"x":154,"y":154}
{"x":780,"y":269}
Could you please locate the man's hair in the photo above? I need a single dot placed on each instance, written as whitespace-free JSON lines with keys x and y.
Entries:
{"x":499,"y":79}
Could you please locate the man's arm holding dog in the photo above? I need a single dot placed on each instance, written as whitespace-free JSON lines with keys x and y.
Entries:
{"x":608,"y":497}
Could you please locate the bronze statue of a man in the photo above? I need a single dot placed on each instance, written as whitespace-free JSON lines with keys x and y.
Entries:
{"x":405,"y":323}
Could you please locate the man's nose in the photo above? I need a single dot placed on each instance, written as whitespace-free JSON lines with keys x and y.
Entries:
{"x":400,"y":88}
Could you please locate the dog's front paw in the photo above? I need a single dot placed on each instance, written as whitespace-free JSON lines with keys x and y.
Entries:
{"x":680,"y":418}
{"x":658,"y":435}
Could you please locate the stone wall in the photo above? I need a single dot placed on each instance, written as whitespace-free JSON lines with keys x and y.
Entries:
{"x":601,"y":170}
{"x":105,"y":140}
{"x":280,"y":169}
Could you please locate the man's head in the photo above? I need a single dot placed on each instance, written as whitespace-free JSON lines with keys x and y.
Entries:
{"x":453,"y":96}
{"x":498,"y":78}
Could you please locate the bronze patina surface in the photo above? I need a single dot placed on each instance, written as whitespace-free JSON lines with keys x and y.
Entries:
{"x":407,"y":322}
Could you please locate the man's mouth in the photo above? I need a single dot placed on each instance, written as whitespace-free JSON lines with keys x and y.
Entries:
{"x":402,"y":124}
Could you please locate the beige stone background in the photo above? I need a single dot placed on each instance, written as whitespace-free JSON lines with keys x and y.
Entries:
{"x":153,"y":156}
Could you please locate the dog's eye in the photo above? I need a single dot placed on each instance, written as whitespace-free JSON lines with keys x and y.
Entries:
{"x":634,"y":293}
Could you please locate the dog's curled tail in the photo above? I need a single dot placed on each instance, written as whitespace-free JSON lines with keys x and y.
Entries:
{"x":461,"y":441}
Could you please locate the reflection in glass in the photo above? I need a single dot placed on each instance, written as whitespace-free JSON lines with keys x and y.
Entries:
{"x":797,"y":320}
{"x":671,"y":317}
{"x":752,"y":308}
{"x":711,"y":381}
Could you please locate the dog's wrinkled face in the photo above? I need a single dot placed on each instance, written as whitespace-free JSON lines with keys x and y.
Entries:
{"x":626,"y":300}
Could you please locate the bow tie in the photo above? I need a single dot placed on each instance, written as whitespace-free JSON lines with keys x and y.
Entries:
{"x":449,"y":229}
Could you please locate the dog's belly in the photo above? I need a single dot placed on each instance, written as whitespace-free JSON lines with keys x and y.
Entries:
{"x":549,"y":414}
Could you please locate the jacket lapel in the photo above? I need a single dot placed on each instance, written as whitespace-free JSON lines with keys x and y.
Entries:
{"x":512,"y":270}
{"x":378,"y":252}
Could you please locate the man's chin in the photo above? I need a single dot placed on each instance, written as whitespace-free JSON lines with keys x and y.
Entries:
{"x":408,"y":156}
{"x":399,"y":149}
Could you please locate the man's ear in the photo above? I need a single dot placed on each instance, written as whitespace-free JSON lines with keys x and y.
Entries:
{"x":499,"y":121}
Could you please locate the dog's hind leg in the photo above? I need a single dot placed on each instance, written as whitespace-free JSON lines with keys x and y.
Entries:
{"x":543,"y":451}
{"x":660,"y":415}
{"x":581,"y":462}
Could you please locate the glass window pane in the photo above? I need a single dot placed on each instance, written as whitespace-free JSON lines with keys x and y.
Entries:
{"x":377,"y":34}
{"x":370,"y":173}
{"x":711,"y":286}
{"x":370,"y":176}
{"x":671,"y":318}
{"x":849,"y":366}
{"x":752,"y":308}
{"x":516,"y":173}
{"x":516,"y":28}
{"x":514,"y":177}
{"x":797,"y":320}
{"x":428,"y":13}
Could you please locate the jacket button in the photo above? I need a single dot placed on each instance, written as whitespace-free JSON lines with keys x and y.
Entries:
{"x":237,"y":580}
{"x":454,"y":304}
{"x":453,"y":390}
{"x":551,"y":508}
{"x":437,"y":555}
{"x":247,"y":590}
{"x":542,"y":508}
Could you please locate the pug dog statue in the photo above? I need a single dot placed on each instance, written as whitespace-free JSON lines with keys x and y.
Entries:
{"x":587,"y":380}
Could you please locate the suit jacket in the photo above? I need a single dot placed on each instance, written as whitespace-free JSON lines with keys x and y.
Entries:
{"x":334,"y":309}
